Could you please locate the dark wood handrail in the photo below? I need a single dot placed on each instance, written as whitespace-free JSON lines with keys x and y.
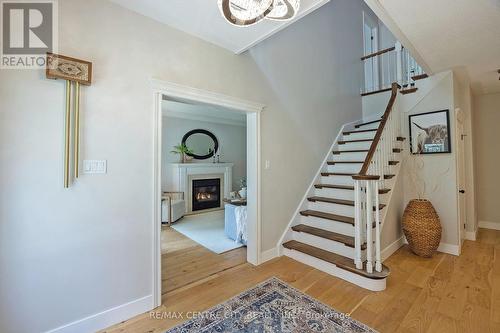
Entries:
{"x":368,"y":56}
{"x":364,"y":169}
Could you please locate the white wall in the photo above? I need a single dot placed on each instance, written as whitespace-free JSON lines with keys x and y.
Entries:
{"x":232,"y":146}
{"x":487,"y":135}
{"x":436,"y":177}
{"x":69,"y":254}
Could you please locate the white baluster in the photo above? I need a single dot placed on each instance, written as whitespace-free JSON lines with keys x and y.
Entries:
{"x":378,"y":257}
{"x":399,"y":64}
{"x":357,"y":225}
{"x":369,"y":226}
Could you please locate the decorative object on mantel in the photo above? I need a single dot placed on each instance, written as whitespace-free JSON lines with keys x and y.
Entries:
{"x":183,"y":151}
{"x":272,"y":306}
{"x":422,"y":227}
{"x":75,"y":72}
{"x":243,"y":191}
{"x":242,"y":13}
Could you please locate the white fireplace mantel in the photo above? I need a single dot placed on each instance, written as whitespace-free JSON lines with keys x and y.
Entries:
{"x":184,"y":173}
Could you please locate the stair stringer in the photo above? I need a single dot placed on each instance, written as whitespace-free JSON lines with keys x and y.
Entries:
{"x":287,"y":234}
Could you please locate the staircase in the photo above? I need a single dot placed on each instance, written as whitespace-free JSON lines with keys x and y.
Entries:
{"x":338,"y":228}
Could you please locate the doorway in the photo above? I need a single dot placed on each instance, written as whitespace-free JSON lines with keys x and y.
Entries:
{"x":370,"y":46}
{"x":165,"y":91}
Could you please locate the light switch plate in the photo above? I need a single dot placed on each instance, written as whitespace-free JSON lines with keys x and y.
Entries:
{"x":94,"y":166}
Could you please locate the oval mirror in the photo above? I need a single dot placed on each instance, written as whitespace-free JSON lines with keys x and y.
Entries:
{"x":202,"y":143}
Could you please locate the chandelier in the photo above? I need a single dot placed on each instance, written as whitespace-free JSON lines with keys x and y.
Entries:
{"x":247,"y":12}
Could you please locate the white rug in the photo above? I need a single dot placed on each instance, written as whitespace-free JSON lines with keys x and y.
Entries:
{"x":207,"y":230}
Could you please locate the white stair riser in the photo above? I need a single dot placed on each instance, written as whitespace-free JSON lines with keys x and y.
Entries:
{"x":343,"y":210}
{"x":370,"y":284}
{"x":334,"y":193}
{"x":358,"y":136}
{"x":324,"y":244}
{"x":333,"y":226}
{"x":338,"y":180}
{"x":349,"y":156}
{"x":355,"y":145}
{"x":345,"y":167}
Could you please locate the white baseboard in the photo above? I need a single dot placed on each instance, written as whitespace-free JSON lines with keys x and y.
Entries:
{"x":107,"y":318}
{"x":471,"y":235}
{"x":489,"y":225}
{"x":449,"y":248}
{"x":393,"y":247}
{"x":445,"y":248}
{"x":269,"y":254}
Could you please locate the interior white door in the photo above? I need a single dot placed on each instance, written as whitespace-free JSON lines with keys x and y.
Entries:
{"x":370,"y":45}
{"x":460,"y":144}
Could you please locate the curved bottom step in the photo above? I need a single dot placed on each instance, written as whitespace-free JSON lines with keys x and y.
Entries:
{"x":336,"y":265}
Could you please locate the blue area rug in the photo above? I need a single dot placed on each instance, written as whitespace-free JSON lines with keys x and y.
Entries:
{"x":272,"y":307}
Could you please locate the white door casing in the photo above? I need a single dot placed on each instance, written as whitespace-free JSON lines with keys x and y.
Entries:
{"x":252,"y":110}
{"x":462,"y":190}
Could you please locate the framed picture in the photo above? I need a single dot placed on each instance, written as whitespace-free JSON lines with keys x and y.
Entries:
{"x":67,"y":68}
{"x":430,"y":132}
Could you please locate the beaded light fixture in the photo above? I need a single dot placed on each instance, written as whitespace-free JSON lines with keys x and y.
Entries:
{"x":244,"y":13}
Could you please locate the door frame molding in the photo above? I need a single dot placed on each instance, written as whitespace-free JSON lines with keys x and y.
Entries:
{"x":170,"y":90}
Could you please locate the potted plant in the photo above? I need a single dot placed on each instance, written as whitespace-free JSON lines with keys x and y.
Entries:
{"x":243,"y":184}
{"x":182,"y":150}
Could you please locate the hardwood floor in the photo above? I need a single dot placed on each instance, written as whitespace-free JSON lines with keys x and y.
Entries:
{"x":442,"y":294}
{"x":185,"y":261}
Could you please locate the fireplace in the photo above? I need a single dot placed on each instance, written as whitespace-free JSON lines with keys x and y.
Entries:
{"x":205,"y":194}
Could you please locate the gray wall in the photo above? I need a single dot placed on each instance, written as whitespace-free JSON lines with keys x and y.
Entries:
{"x":487,"y":159}
{"x":68,"y":254}
{"x":232,"y":146}
{"x":313,"y":70}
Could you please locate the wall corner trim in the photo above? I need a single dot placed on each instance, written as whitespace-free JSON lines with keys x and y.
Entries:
{"x":489,"y":225}
{"x":393,"y":247}
{"x":108,"y":317}
{"x":471,"y":235}
{"x":269,"y":254}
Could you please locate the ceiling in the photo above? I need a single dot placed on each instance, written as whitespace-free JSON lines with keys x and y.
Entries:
{"x":200,"y":112}
{"x":202,"y":18}
{"x":463,"y":35}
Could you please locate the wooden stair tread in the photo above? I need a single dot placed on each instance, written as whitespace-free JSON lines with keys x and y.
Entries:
{"x":338,"y":152}
{"x":376,"y":92}
{"x":368,"y":123}
{"x":343,"y":142}
{"x":333,"y":258}
{"x":420,"y":77}
{"x":400,"y":138}
{"x":338,"y":187}
{"x":397,"y":150}
{"x":389,"y":176}
{"x":360,"y":131}
{"x":337,"y":201}
{"x":346,"y":187}
{"x":328,"y":216}
{"x":344,"y":162}
{"x":346,"y":240}
{"x":408,"y":91}
{"x":327,"y":174}
{"x":393,"y":162}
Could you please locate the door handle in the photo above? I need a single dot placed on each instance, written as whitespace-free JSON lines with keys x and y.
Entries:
{"x":462,"y":191}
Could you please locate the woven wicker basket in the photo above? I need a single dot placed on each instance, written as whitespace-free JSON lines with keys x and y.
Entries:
{"x":422,"y":227}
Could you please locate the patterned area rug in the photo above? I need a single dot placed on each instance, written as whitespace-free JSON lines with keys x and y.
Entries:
{"x":274,"y":307}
